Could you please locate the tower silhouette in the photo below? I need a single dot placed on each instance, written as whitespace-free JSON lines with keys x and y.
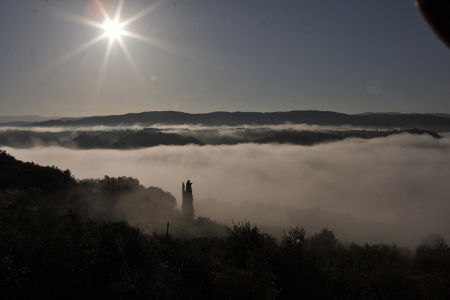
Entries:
{"x":187,"y":204}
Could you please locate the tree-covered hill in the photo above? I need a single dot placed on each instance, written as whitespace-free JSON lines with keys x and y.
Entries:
{"x":18,"y":175}
{"x":150,"y":137}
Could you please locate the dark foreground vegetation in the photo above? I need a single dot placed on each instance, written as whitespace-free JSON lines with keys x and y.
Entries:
{"x":54,"y":245}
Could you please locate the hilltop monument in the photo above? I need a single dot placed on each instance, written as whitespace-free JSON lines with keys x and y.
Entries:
{"x":187,"y":204}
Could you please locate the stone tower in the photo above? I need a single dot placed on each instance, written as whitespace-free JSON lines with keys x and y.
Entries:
{"x":187,"y":204}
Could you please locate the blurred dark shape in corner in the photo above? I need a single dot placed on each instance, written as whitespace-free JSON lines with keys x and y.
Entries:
{"x":437,"y":14}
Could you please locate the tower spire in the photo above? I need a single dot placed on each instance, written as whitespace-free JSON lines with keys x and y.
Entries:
{"x":187,"y":206}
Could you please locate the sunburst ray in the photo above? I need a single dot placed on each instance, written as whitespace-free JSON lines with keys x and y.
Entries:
{"x":102,"y":71}
{"x":77,"y":19}
{"x":144,"y":12}
{"x":102,"y":9}
{"x":83,"y":47}
{"x":137,"y":72}
{"x":119,"y":9}
{"x":152,"y":41}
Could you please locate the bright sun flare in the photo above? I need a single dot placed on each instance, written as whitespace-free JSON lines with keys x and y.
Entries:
{"x":113,"y":29}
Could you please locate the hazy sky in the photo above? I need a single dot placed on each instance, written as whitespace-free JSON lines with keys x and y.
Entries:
{"x":258,"y":55}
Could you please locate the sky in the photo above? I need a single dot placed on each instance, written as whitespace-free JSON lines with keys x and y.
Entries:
{"x":207,"y":55}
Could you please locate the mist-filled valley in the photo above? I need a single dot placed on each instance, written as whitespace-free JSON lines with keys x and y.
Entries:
{"x":354,"y":217}
{"x":390,"y":188}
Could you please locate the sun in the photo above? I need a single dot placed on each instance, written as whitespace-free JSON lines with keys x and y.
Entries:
{"x":113,"y":29}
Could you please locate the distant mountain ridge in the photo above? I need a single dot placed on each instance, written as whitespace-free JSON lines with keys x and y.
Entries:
{"x":436,"y":122}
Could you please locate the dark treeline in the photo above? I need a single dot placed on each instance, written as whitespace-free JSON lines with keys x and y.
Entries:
{"x":66,"y":239}
{"x":149,"y":137}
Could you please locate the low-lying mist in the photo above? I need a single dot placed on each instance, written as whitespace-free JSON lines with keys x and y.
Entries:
{"x":393,"y":189}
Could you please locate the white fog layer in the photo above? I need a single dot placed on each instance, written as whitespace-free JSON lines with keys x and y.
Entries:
{"x":392,"y":190}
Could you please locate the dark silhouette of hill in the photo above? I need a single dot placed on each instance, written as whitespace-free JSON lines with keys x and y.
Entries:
{"x":149,"y":139}
{"x":80,"y":248}
{"x":386,"y":120}
{"x":314,"y":137}
{"x":17,"y":175}
{"x":117,"y":139}
{"x":130,"y":139}
{"x":26,"y":139}
{"x":133,"y":139}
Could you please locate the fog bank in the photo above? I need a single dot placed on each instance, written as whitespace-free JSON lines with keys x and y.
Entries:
{"x":222,"y":129}
{"x":392,"y":189}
